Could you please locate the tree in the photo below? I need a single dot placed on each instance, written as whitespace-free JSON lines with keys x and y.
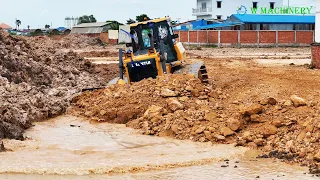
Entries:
{"x":28,"y":27}
{"x":18,"y":23}
{"x":114,"y":25}
{"x":47,"y":26}
{"x":130,"y":21}
{"x":142,"y":17}
{"x":87,"y":19}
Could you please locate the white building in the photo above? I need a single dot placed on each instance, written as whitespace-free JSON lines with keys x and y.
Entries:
{"x":222,"y":9}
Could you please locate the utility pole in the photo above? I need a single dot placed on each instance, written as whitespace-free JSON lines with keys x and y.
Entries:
{"x":316,"y":44}
{"x":317,"y":26}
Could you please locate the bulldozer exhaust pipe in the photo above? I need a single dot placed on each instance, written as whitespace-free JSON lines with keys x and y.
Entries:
{"x":121,"y":63}
{"x":163,"y":57}
{"x":151,"y":41}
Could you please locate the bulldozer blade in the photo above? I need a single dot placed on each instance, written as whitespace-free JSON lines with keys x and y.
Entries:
{"x":111,"y":82}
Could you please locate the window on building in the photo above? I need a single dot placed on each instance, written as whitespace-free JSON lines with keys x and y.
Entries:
{"x":204,"y":6}
{"x":219,"y":4}
{"x":219,"y":17}
{"x":255,"y":4}
{"x":272,"y":5}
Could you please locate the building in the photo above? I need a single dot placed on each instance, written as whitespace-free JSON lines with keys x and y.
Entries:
{"x":91,"y":28}
{"x":222,"y":9}
{"x":273,"y":22}
{"x":5,"y":26}
{"x":263,"y":22}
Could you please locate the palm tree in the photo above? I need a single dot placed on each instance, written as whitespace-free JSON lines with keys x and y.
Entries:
{"x":18,"y":23}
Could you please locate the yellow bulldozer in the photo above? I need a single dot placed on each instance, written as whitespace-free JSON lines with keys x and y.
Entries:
{"x":154,"y":52}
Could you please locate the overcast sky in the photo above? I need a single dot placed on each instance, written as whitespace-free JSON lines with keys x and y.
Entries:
{"x":37,"y":13}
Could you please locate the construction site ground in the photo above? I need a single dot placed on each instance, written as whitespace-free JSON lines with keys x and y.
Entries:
{"x":265,"y":101}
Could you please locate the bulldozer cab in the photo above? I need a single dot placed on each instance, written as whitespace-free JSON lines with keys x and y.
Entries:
{"x":162,"y":34}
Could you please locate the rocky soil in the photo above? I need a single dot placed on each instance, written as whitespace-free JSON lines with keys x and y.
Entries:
{"x":273,"y":109}
{"x":37,"y":82}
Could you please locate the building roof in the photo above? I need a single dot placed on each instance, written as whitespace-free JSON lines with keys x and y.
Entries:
{"x":87,"y":30}
{"x":61,"y":28}
{"x":218,"y":25}
{"x":52,"y":30}
{"x":35,"y":30}
{"x":5,"y":26}
{"x":96,"y":24}
{"x":274,"y":19}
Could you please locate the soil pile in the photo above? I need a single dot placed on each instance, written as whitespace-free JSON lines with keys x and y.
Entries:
{"x":72,"y":41}
{"x":78,"y":41}
{"x":123,"y":103}
{"x":36,"y":82}
{"x":181,"y":107}
{"x":99,"y":54}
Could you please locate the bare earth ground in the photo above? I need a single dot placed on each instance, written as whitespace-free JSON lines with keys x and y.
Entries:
{"x":239,"y":82}
{"x":250,"y":103}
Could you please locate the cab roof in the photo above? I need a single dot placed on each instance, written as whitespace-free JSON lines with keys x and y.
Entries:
{"x":153,"y":20}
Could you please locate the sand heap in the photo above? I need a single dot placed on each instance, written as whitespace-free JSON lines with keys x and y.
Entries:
{"x":36,"y":82}
{"x":181,"y":107}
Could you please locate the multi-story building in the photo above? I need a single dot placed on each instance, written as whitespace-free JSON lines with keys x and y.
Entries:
{"x":222,"y":9}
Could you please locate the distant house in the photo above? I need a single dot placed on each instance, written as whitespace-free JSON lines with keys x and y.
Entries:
{"x":91,"y":28}
{"x":5,"y":26}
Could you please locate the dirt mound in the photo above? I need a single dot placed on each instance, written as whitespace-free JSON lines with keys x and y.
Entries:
{"x":122,"y":103}
{"x":72,"y":41}
{"x":77,"y":41}
{"x":99,"y":54}
{"x":36,"y":82}
{"x":181,"y":107}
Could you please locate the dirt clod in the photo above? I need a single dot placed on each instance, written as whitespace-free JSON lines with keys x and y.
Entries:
{"x":297,"y":101}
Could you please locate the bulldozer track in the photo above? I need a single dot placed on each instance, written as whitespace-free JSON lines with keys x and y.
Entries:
{"x":198,"y":69}
{"x":203,"y":75}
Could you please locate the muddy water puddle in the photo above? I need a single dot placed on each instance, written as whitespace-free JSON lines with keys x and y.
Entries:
{"x":68,"y":147}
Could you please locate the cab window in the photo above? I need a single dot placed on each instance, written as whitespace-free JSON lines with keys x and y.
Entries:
{"x":145,"y":37}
